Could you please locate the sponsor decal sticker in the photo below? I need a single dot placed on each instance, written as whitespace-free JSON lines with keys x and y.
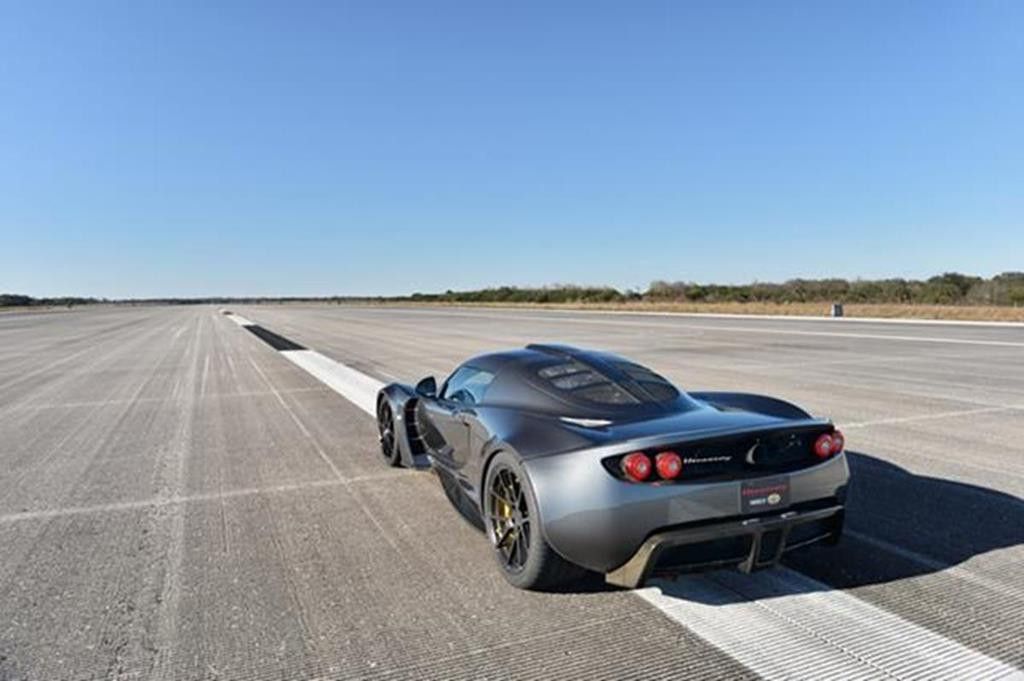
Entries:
{"x":764,"y":494}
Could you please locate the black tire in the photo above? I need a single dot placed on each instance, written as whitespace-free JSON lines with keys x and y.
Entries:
{"x":512,"y":526}
{"x":388,"y":434}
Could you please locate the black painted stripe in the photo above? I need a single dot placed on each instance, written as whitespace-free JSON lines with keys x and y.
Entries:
{"x":272,"y":339}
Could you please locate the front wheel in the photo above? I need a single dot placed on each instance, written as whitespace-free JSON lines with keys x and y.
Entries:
{"x":510,"y":514}
{"x":388,"y":434}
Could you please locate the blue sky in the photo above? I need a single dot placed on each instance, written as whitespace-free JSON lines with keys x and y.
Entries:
{"x":302,"y":148}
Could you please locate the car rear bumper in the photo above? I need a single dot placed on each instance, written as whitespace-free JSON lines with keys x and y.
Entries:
{"x":752,"y":543}
{"x":598,"y":521}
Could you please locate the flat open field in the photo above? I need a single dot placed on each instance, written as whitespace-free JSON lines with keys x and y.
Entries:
{"x":977,"y":313}
{"x":178,"y":500}
{"x":982,"y":313}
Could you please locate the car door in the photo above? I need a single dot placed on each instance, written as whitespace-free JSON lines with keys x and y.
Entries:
{"x":467,"y":394}
{"x":443,"y":427}
{"x":447,"y":420}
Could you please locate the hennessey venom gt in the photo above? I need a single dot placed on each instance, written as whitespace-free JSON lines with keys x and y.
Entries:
{"x":578,"y":460}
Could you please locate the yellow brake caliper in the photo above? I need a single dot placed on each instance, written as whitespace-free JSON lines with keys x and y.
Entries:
{"x":505,"y":513}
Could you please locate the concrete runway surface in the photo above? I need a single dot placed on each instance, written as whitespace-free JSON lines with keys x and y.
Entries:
{"x":179,"y":501}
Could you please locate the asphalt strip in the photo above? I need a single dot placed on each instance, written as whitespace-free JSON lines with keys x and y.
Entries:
{"x":780,"y":624}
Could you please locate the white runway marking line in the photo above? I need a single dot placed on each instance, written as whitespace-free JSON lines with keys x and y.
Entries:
{"x":831,"y":334}
{"x":784,"y":332}
{"x":784,"y":625}
{"x":727,"y":315}
{"x":326,"y":459}
{"x":355,"y":386}
{"x":148,"y":400}
{"x":915,"y":452}
{"x":161,"y":501}
{"x":779,"y":624}
{"x":239,"y":319}
{"x":928,"y":417}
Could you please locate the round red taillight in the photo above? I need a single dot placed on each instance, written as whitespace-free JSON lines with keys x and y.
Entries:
{"x":669,"y":465}
{"x":838,"y":442}
{"x":823,"y":446}
{"x":636,"y":466}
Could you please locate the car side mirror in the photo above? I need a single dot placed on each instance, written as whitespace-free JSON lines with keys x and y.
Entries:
{"x":427,"y":387}
{"x":463,"y":396}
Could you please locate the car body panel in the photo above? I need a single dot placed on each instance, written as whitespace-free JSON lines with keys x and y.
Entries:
{"x":598,"y":521}
{"x":587,"y":514}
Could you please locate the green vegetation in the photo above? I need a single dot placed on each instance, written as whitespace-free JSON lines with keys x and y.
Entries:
{"x":946,"y":289}
{"x":17,"y":300}
{"x":952,"y":288}
{"x":547,"y":294}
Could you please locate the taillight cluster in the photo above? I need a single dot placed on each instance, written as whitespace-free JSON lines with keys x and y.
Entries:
{"x":638,"y":467}
{"x":668,"y":465}
{"x":829,"y":444}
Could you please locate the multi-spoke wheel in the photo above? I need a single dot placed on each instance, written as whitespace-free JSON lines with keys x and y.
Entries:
{"x":386,"y":428}
{"x":510,"y":515}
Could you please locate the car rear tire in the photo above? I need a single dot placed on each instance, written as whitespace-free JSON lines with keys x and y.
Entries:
{"x":526,"y":560}
{"x":388,"y":434}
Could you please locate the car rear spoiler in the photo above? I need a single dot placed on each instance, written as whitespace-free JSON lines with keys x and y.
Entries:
{"x":759,"y":404}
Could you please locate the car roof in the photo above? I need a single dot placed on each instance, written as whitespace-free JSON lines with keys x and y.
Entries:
{"x":518,"y":382}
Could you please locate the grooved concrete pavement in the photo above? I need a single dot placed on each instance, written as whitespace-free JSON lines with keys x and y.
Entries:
{"x":179,"y":502}
{"x":934,"y":417}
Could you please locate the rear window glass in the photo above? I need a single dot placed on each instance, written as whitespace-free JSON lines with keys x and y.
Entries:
{"x":607,"y":393}
{"x":586,"y":383}
{"x":658,"y":386}
{"x":561,"y":369}
{"x":578,"y":380}
{"x":638,"y":372}
{"x":590,"y":384}
{"x":661,"y":392}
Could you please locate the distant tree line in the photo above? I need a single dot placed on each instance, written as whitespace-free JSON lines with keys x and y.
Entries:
{"x":946,"y":289}
{"x":950,"y":288}
{"x":17,"y":300}
{"x":547,"y":294}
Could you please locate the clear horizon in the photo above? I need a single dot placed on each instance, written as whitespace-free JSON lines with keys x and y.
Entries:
{"x":272,"y":296}
{"x":313,"y":149}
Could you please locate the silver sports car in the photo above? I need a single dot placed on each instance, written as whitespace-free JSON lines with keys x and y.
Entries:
{"x":577,"y":460}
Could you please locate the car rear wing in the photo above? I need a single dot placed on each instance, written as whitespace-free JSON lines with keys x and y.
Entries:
{"x":759,"y":404}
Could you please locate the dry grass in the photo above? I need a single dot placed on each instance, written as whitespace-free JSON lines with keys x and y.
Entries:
{"x":26,"y":309}
{"x":987,"y":313}
{"x":981,"y":313}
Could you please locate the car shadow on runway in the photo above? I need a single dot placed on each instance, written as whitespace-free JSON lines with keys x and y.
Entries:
{"x":899,"y":525}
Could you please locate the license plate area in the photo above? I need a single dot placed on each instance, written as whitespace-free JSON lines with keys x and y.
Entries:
{"x":764,"y":494}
